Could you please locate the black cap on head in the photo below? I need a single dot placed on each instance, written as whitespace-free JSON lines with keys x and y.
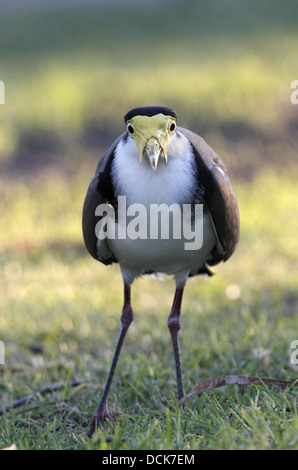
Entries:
{"x":150,"y":111}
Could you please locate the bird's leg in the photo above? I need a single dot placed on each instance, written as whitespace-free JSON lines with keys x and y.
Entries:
{"x":101,"y":412}
{"x":174,"y":326}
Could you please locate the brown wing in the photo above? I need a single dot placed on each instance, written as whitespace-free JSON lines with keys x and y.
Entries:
{"x":99,"y":191}
{"x":219,"y":196}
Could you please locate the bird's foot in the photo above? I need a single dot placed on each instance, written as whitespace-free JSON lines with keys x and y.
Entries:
{"x":98,"y":419}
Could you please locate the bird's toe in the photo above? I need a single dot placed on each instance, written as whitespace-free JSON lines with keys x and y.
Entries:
{"x":98,"y":419}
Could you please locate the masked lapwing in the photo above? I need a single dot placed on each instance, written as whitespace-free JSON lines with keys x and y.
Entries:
{"x":161,"y":201}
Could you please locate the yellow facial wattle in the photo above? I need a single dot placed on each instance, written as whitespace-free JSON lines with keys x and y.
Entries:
{"x":152,"y":135}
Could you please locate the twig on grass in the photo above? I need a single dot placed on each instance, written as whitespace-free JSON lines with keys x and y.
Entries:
{"x":50,"y":389}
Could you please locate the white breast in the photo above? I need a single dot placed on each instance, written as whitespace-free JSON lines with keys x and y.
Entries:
{"x":172,"y":182}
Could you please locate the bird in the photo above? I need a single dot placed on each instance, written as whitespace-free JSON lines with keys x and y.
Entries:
{"x":156,"y":164}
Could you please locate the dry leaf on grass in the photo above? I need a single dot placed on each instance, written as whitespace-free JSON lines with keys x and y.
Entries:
{"x":234,"y":380}
{"x":11,"y":447}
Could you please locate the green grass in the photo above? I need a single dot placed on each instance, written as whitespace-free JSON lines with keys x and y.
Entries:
{"x":57,"y":297}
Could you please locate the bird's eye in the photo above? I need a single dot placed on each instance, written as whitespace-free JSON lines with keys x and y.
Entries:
{"x":172,"y":126}
{"x":130,"y":129}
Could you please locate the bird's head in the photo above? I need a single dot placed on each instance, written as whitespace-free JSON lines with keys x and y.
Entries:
{"x":151,"y":127}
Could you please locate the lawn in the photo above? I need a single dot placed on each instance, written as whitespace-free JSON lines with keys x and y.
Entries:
{"x":66,"y":94}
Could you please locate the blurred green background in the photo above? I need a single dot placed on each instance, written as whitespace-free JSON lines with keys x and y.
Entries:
{"x":71,"y":71}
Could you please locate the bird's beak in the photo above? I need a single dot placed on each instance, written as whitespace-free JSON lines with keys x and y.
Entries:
{"x":153,"y":151}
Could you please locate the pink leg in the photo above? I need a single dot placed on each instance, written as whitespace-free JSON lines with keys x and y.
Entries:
{"x":174,"y":327}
